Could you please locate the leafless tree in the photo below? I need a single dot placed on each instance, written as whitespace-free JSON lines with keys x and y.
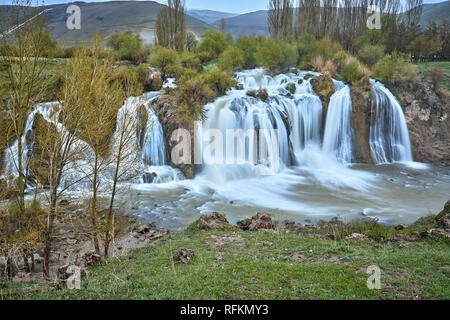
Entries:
{"x":171,"y":25}
{"x":280,"y":19}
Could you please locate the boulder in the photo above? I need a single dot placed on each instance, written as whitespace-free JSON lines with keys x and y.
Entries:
{"x":262,"y":221}
{"x":213,"y":221}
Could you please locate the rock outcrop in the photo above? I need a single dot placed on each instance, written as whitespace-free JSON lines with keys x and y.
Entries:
{"x":427,"y":115}
{"x":362,"y":115}
{"x":262,"y":221}
{"x":323,"y":86}
{"x":167,"y":111}
{"x":213,"y":221}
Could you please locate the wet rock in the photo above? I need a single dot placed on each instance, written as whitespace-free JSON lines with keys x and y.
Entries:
{"x":184,"y":256}
{"x":213,"y":221}
{"x":148,"y":177}
{"x":262,"y":221}
{"x":91,"y":259}
{"x":240,"y":86}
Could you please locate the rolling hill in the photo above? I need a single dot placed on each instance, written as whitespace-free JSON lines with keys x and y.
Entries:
{"x":138,"y":16}
{"x":247,"y":24}
{"x":210,"y":16}
{"x":435,"y":12}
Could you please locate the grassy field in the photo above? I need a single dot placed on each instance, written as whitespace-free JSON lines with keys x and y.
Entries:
{"x":268,"y":265}
{"x":444,"y":66}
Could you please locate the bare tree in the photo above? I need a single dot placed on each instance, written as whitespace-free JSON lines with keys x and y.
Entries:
{"x":280,"y":18}
{"x":171,"y":25}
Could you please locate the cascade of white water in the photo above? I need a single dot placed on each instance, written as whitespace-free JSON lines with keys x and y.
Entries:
{"x":389,"y":137}
{"x":292,"y":110}
{"x":146,"y":154}
{"x":149,"y":143}
{"x":338,"y":135}
{"x":11,"y":153}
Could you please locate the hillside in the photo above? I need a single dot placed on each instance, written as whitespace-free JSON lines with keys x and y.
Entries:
{"x":210,"y":16}
{"x":138,"y":16}
{"x":435,"y":12}
{"x":247,"y":24}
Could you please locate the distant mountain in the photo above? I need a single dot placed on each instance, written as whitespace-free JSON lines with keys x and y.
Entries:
{"x":435,"y":12}
{"x":210,"y":16}
{"x":138,"y":16}
{"x":247,"y":24}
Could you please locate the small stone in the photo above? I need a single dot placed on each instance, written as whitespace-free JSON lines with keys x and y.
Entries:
{"x":357,"y":236}
{"x":183,"y":256}
{"x":400,"y":227}
{"x":91,"y":259}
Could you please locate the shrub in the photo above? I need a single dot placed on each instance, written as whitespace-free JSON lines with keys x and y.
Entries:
{"x":220,"y":80}
{"x":329,"y":68}
{"x":290,"y":55}
{"x":394,"y":69}
{"x":248,"y":46}
{"x":276,"y":55}
{"x":192,"y":62}
{"x":129,"y":74}
{"x":327,"y":48}
{"x":191,"y":97}
{"x":371,"y":54}
{"x":165,"y":60}
{"x":269,"y":54}
{"x":317,"y":63}
{"x":372,"y":37}
{"x":350,"y":73}
{"x":127,"y":46}
{"x":339,"y":59}
{"x":231,"y":59}
{"x":214,"y":42}
{"x":307,"y":49}
{"x":205,"y":57}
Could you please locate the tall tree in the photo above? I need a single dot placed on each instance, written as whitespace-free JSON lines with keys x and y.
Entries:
{"x":24,"y":35}
{"x":280,"y":19}
{"x":171,"y":25}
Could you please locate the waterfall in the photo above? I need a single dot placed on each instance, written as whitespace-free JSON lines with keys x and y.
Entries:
{"x":149,"y":144}
{"x":389,"y":138}
{"x":338,"y":135}
{"x":146,"y":154}
{"x":264,"y":126}
{"x":291,"y":110}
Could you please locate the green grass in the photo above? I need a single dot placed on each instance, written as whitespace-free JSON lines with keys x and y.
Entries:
{"x":259,"y":265}
{"x":425,"y":67}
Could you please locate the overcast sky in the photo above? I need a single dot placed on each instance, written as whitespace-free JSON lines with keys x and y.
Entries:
{"x":238,"y":6}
